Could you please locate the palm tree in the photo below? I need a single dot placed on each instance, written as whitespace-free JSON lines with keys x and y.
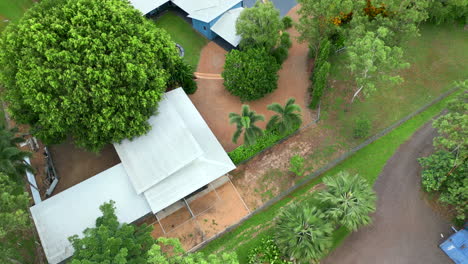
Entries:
{"x":11,"y":158}
{"x":288,"y":117}
{"x":245,"y":122}
{"x":303,"y":233}
{"x":349,"y":199}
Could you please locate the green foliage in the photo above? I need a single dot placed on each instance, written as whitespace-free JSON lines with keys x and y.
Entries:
{"x":245,"y":123}
{"x":259,"y":26}
{"x":453,"y":126}
{"x":362,"y":128}
{"x":297,"y":165}
{"x":315,"y":19}
{"x":266,"y":252}
{"x":320,"y":79}
{"x":281,"y":52}
{"x":323,"y":54}
{"x":287,"y":118}
{"x":11,"y":158}
{"x":448,"y":11}
{"x":303,"y":233}
{"x":14,"y":220}
{"x":170,"y":251}
{"x":111,"y":241}
{"x":348,"y":200}
{"x":370,"y":60}
{"x":184,"y":77}
{"x":445,"y":173}
{"x":268,"y":139}
{"x":250,"y":74}
{"x":98,"y":82}
{"x":287,"y":22}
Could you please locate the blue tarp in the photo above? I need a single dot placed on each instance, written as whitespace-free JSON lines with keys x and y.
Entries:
{"x":456,"y":247}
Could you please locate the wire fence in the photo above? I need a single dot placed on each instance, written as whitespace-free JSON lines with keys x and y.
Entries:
{"x":323,"y":169}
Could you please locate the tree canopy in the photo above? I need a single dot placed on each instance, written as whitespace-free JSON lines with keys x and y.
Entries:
{"x":250,"y":74}
{"x":93,"y":70}
{"x":112,"y":242}
{"x":245,"y":123}
{"x":170,"y":251}
{"x":260,"y":26}
{"x":14,"y":219}
{"x":12,"y":161}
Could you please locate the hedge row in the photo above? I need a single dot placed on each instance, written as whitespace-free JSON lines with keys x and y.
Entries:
{"x":269,"y":138}
{"x":319,"y":75}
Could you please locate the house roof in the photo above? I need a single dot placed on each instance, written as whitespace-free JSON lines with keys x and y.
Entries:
{"x":225,"y":27}
{"x":177,"y":157}
{"x":206,"y":10}
{"x":72,"y":211}
{"x":146,"y":6}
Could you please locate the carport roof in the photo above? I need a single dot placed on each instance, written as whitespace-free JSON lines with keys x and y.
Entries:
{"x":225,"y":27}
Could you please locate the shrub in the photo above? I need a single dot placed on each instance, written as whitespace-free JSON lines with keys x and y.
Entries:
{"x":337,"y":42}
{"x":281,"y":52}
{"x":287,"y":22}
{"x":266,"y":252}
{"x":323,"y":53}
{"x":250,"y":74}
{"x":297,"y":165}
{"x":285,"y":40}
{"x":269,"y":138}
{"x":303,"y":233}
{"x":185,"y":78}
{"x":361,"y":128}
{"x":319,"y":84}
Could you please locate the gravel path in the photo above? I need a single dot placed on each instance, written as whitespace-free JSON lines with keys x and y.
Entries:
{"x":405,"y":229}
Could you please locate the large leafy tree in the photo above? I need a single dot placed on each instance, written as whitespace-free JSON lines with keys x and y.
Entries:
{"x":14,"y":220}
{"x":170,"y":251}
{"x":12,"y":158}
{"x":371,"y":61}
{"x":91,"y":69}
{"x":287,"y":117}
{"x":316,"y":19}
{"x":445,"y":174}
{"x":245,"y":123}
{"x":259,"y":26}
{"x":444,"y":11}
{"x":303,"y":233}
{"x":111,"y":241}
{"x":349,"y":200}
{"x":250,"y":74}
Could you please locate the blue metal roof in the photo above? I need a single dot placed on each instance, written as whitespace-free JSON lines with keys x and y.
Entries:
{"x":456,"y":247}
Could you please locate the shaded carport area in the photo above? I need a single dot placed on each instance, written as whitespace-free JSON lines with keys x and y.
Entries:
{"x":405,"y":228}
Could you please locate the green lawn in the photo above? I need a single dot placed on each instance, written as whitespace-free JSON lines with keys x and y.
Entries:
{"x":183,"y":34}
{"x":437,"y":58}
{"x":368,"y":162}
{"x":12,"y":10}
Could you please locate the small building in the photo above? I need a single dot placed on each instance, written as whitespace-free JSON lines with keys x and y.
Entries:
{"x":178,"y":157}
{"x":211,"y":18}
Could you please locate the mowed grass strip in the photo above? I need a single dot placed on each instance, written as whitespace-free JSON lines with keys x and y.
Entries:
{"x":183,"y":34}
{"x":367,"y":162}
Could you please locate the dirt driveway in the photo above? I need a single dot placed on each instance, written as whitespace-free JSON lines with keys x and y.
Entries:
{"x":405,"y":230}
{"x":215,"y":103}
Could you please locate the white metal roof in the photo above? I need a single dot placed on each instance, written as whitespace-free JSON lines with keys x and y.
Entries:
{"x":146,"y":6}
{"x":213,"y":164}
{"x":189,"y":154}
{"x":225,"y":27}
{"x":165,"y":149}
{"x":72,"y":211}
{"x":210,"y":10}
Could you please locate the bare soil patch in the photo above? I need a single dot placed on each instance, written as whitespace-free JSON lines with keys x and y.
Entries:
{"x":74,"y":165}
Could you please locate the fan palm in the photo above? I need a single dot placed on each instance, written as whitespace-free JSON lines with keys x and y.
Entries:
{"x":288,"y":117}
{"x":245,"y":122}
{"x":350,"y":200}
{"x":303,"y":233}
{"x":11,"y":158}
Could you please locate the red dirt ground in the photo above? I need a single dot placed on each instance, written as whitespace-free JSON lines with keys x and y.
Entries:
{"x":74,"y":165}
{"x":215,"y":103}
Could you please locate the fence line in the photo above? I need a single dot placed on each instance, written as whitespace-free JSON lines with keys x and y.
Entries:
{"x":323,"y":169}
